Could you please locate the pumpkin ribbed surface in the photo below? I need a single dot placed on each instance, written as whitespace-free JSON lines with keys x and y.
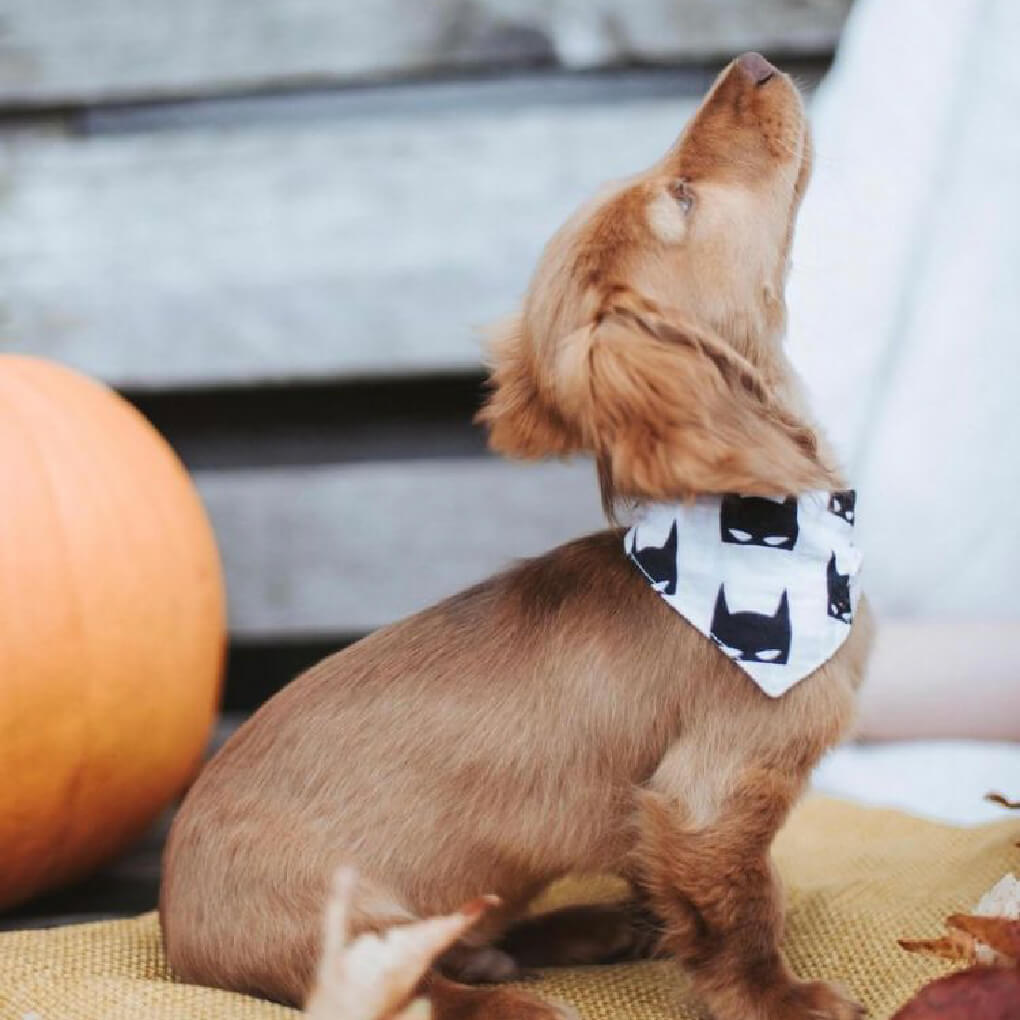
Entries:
{"x":111,"y":625}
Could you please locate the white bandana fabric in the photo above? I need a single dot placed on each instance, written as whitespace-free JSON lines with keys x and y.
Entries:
{"x":774,"y":583}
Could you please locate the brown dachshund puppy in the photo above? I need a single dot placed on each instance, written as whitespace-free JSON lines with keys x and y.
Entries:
{"x":560,"y":717}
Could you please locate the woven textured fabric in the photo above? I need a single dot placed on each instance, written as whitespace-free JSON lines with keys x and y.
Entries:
{"x":856,"y":878}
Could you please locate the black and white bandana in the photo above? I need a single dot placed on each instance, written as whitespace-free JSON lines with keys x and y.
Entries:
{"x":774,"y":583}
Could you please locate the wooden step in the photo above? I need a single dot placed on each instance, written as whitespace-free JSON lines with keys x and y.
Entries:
{"x":344,"y":549}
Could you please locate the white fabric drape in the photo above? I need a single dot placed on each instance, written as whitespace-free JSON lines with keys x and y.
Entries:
{"x":905,"y":297}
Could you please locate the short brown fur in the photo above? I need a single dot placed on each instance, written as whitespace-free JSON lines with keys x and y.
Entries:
{"x":560,"y":717}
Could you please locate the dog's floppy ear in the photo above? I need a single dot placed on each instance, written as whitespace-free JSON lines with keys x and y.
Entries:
{"x":672,"y":411}
{"x":522,"y":420}
{"x":668,"y":410}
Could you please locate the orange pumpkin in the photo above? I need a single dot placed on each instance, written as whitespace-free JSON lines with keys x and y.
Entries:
{"x":111,"y":626}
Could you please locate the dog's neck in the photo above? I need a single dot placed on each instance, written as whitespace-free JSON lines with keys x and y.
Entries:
{"x":773,"y":583}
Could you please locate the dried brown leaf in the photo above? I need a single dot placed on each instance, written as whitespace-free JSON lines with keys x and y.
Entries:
{"x":1002,"y":801}
{"x":977,"y":994}
{"x":956,"y":946}
{"x":374,"y":977}
{"x":1002,"y":934}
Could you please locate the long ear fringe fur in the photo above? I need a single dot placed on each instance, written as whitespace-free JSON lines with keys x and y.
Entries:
{"x":672,"y":414}
{"x":668,"y":412}
{"x":522,"y":421}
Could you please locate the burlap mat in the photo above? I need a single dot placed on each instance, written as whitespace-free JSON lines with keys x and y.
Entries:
{"x":857,"y":879}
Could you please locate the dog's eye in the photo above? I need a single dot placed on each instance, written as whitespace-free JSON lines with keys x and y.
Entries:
{"x":776,"y":539}
{"x":681,"y":191}
{"x":770,"y":654}
{"x":740,"y":536}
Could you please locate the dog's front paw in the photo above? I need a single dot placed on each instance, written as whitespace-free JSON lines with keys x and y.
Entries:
{"x":819,"y":1000}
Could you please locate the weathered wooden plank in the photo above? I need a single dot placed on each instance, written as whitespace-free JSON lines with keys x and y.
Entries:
{"x":341,"y":550}
{"x":382,"y":419}
{"x":67,"y":51}
{"x":293,"y":250}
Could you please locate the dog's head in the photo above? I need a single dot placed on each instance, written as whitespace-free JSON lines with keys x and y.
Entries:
{"x":650,"y":335}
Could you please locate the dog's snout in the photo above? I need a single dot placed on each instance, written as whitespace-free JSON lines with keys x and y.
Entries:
{"x":756,"y":67}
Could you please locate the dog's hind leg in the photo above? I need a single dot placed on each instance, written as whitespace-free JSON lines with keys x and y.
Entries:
{"x":454,"y":1001}
{"x":366,"y":974}
{"x":480,"y":965}
{"x":597,"y":933}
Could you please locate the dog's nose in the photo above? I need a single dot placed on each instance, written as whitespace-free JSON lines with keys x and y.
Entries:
{"x":756,"y":67}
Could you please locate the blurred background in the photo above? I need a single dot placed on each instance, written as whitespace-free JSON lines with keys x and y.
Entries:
{"x":277,"y":226}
